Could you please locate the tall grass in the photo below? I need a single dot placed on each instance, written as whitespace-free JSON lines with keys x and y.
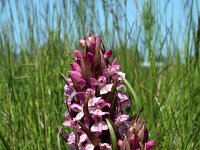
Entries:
{"x":35,"y":47}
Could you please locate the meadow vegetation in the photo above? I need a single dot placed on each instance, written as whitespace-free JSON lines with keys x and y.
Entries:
{"x":36,"y":43}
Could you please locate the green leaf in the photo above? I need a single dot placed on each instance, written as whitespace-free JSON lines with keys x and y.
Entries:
{"x":112,"y":135}
{"x":132,"y":92}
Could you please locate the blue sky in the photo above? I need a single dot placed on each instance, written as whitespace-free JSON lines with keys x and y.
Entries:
{"x":174,"y":14}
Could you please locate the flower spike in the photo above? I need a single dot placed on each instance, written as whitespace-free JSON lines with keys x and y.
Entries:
{"x":96,"y":105}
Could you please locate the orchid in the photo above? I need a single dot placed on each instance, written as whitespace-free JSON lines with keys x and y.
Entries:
{"x":94,"y":96}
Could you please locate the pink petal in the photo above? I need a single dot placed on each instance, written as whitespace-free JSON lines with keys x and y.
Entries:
{"x":94,"y":81}
{"x":115,"y":66}
{"x":101,"y":103}
{"x":89,"y":147}
{"x":125,"y":103}
{"x":67,"y":115}
{"x":83,"y":138}
{"x":68,"y":123}
{"x":103,"y":125}
{"x":122,"y":96}
{"x":68,"y":90}
{"x":112,"y":71}
{"x":107,"y":88}
{"x":105,"y":146}
{"x":149,"y":145}
{"x":107,"y":54}
{"x":93,"y":101}
{"x":69,"y":81}
{"x":120,"y":85}
{"x":123,"y":99}
{"x":78,"y":53}
{"x":120,"y":143}
{"x":76,"y":67}
{"x":71,"y":138}
{"x":70,"y":98}
{"x":91,"y":92}
{"x":79,"y":116}
{"x":82,"y":42}
{"x":98,"y":39}
{"x":76,"y":107}
{"x":97,"y":112}
{"x":102,"y":79}
{"x":133,"y":141}
{"x":121,"y":119}
{"x":121,"y":75}
{"x":99,"y":126}
{"x":77,"y":76}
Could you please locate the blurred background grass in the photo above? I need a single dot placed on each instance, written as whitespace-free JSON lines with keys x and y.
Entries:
{"x":163,"y":68}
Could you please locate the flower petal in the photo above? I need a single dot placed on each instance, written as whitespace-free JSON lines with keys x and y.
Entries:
{"x":105,"y":146}
{"x":79,"y":116}
{"x":149,"y":145}
{"x":76,"y":107}
{"x":107,"y":54}
{"x":121,"y":75}
{"x":68,"y":123}
{"x":99,"y":126}
{"x":94,"y":81}
{"x":82,"y":42}
{"x":70,"y":98}
{"x":120,"y":85}
{"x":107,"y":88}
{"x":89,"y":146}
{"x":77,"y":77}
{"x":71,"y":138}
{"x":124,"y":100}
{"x":93,"y":101}
{"x":68,"y":90}
{"x":97,"y":112}
{"x":78,"y":53}
{"x":76,"y":67}
{"x":101,"y":103}
{"x":121,"y":119}
{"x":83,"y":138}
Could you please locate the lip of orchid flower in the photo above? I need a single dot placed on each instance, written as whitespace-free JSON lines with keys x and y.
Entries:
{"x":94,"y":95}
{"x":121,"y":119}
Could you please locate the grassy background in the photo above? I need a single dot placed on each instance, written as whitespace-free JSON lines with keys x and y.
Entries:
{"x":35,"y":52}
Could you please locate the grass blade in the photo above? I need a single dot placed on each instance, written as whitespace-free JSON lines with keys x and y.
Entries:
{"x":132,"y":92}
{"x":4,"y":142}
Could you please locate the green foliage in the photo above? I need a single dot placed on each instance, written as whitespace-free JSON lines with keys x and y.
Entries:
{"x":32,"y":101}
{"x":112,"y":134}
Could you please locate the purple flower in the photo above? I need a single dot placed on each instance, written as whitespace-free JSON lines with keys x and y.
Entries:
{"x":93,"y":94}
